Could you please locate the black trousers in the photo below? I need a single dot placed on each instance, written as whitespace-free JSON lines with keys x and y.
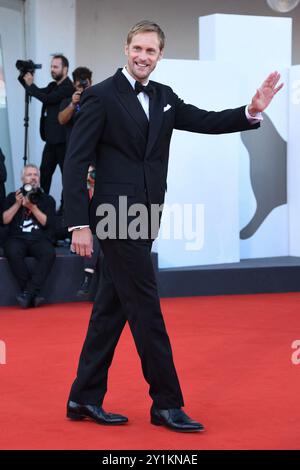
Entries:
{"x":53,"y":155}
{"x":127,"y":292}
{"x":16,"y":249}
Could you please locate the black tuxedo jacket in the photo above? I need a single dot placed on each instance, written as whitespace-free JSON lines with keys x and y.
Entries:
{"x":131,"y":153}
{"x":51,"y":96}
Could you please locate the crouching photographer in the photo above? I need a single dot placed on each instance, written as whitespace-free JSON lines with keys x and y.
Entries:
{"x":29,"y":214}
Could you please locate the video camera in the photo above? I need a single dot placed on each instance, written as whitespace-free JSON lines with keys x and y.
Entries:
{"x":25,"y":66}
{"x":32,"y":193}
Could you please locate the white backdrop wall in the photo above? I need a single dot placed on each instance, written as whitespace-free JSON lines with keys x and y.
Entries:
{"x":13,"y":48}
{"x":239,"y":183}
{"x":253,"y":57}
{"x":203,"y":169}
{"x":294,"y":161}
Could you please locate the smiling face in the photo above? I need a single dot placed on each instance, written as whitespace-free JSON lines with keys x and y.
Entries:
{"x":143,"y":53}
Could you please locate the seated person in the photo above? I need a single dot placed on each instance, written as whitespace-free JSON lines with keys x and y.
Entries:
{"x":29,"y":215}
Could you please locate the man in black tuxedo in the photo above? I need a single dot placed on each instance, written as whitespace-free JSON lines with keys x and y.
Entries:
{"x":51,"y":131}
{"x":129,"y":122}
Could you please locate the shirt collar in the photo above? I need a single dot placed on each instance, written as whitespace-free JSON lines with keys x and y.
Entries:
{"x":130,"y":78}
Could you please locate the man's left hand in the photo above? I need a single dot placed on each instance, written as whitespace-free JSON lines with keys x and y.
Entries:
{"x":265,"y":94}
{"x":82,"y":242}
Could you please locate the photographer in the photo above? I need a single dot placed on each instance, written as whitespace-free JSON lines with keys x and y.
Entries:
{"x":29,"y":215}
{"x":82,"y":79}
{"x":51,"y":131}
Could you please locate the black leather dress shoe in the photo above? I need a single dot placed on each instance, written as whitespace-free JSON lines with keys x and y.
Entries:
{"x":175,"y":419}
{"x":38,"y":300}
{"x":77,"y":412}
{"x":25,"y":299}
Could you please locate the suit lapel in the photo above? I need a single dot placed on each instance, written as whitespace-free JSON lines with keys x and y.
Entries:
{"x":129,"y":100}
{"x":155,"y":118}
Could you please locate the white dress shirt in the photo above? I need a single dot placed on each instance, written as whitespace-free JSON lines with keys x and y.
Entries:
{"x":142,"y":97}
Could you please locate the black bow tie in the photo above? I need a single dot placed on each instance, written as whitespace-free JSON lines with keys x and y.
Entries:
{"x":138,"y":87}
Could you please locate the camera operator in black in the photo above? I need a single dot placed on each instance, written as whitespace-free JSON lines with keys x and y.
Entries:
{"x":51,"y":131}
{"x":82,"y":79}
{"x":30,"y":221}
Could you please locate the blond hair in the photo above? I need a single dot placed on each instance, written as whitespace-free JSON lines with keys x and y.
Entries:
{"x":146,"y":26}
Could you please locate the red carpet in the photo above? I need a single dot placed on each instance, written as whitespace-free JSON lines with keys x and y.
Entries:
{"x":233,"y":356}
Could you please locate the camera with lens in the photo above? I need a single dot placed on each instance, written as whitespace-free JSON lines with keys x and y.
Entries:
{"x":25,"y":66}
{"x":32,"y":193}
{"x":84,"y":83}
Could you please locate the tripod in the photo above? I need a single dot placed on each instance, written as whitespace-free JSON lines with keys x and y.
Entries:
{"x":26,"y":125}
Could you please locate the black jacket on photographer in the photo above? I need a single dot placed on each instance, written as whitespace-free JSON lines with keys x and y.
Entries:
{"x":69,"y":125}
{"x":25,"y":226}
{"x":51,"y":96}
